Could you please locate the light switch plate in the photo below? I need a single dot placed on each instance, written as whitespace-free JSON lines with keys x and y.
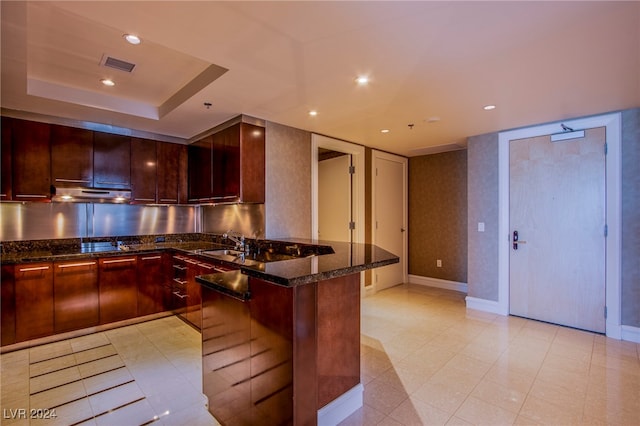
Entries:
{"x":480,"y":226}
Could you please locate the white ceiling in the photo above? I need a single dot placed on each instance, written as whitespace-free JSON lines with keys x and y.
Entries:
{"x":432,"y":64}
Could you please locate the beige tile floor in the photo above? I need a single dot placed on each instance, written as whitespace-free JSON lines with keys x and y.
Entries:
{"x":426,"y":360}
{"x":148,"y":373}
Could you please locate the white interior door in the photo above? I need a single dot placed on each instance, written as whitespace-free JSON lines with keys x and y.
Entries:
{"x":334,"y":199}
{"x":390,"y":216}
{"x":557,"y":206}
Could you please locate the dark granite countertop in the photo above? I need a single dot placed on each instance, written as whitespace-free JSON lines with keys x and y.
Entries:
{"x":347,"y":259}
{"x":232,"y":283}
{"x":317,"y":261}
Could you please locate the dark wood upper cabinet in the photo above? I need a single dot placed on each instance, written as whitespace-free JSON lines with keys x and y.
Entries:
{"x":228,"y":166}
{"x":71,"y":156}
{"x":5,"y":178}
{"x":200,"y":177}
{"x":252,"y":163}
{"x":31,"y":161}
{"x":144,"y":166}
{"x":111,"y":161}
{"x":171,"y":173}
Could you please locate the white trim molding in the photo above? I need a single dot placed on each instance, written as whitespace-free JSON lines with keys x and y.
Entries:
{"x":613,"y":124}
{"x":438,"y":283}
{"x":630,"y":333}
{"x":341,"y":407}
{"x":485,"y":305}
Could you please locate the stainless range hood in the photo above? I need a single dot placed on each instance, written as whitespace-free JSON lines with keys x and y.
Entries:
{"x":93,"y":195}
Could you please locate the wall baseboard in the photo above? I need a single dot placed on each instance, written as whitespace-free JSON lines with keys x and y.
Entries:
{"x":485,"y":305}
{"x":632,"y":334}
{"x":341,"y":407}
{"x":438,"y":283}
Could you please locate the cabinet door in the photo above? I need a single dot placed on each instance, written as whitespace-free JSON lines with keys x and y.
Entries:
{"x":200,"y":170}
{"x":76,"y":301}
{"x":118,"y":290}
{"x":31,"y":161}
{"x":34,"y":300}
{"x":151,"y":278}
{"x":5,"y":177}
{"x":252,"y":163}
{"x":8,"y":306}
{"x":143,"y":171}
{"x":226,"y":164}
{"x":111,"y":161}
{"x":71,"y":156}
{"x":172,"y":167}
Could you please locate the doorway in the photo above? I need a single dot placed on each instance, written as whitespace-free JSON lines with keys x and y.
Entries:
{"x":557,"y":223}
{"x":356,"y":152}
{"x":612,"y":125}
{"x":334,"y":196}
{"x":389,"y":221}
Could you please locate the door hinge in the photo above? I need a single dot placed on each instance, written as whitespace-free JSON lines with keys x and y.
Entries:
{"x":352,"y":170}
{"x":352,"y":225}
{"x":605,"y":312}
{"x":606,"y":148}
{"x":606,"y":230}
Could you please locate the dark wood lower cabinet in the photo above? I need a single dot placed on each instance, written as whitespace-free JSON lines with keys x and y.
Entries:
{"x":8,"y":306}
{"x":284,"y":353}
{"x":118,"y":290}
{"x":76,"y":300}
{"x":151,"y":288}
{"x":34,"y":300}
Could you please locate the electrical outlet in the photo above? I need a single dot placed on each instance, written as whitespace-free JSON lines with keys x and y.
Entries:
{"x":439,"y":263}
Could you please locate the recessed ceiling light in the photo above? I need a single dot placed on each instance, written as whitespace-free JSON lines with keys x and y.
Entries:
{"x":133,"y":39}
{"x":108,"y":82}
{"x":362,"y":80}
{"x":313,"y":113}
{"x":489,"y":107}
{"x":384,"y":131}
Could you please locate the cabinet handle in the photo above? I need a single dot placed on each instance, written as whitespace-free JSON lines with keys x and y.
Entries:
{"x":72,"y":180}
{"x":180,"y":268}
{"x":179,"y":281}
{"x":35,"y":268}
{"x":31,"y":196}
{"x":151,"y":258}
{"x":73,"y":265}
{"x":114,"y":183}
{"x":193,"y":262}
{"x":181,"y":296}
{"x":169,"y":199}
{"x":144,"y":199}
{"x":118,"y":261}
{"x":206,"y":266}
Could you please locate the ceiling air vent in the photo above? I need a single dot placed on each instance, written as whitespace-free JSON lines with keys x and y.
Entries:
{"x":118,"y":64}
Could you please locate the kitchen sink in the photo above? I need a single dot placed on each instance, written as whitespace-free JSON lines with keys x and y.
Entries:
{"x":236,"y":256}
{"x":223,"y":252}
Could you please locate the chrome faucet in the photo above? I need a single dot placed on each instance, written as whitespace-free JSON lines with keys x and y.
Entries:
{"x":237,"y":238}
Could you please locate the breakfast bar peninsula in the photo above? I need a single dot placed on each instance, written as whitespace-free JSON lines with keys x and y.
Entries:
{"x":281,"y":339}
